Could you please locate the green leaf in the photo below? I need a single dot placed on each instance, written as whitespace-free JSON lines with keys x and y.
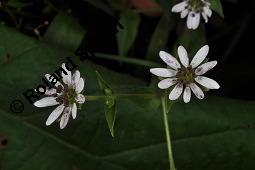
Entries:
{"x":217,"y":7}
{"x":215,"y":133}
{"x":126,"y":37}
{"x":110,"y":102}
{"x":65,"y":32}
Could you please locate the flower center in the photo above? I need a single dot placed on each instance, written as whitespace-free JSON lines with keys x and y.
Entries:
{"x":186,"y":75}
{"x":196,"y":4}
{"x":68,"y":96}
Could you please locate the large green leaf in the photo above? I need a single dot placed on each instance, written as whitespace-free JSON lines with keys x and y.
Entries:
{"x":216,"y":133}
{"x":126,"y":37}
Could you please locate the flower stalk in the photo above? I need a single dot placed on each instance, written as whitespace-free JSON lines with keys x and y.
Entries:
{"x":99,"y":97}
{"x":167,"y":131}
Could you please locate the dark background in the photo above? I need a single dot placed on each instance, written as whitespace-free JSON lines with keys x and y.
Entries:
{"x":230,"y":39}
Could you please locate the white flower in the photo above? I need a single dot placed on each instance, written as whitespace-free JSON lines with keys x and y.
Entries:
{"x":67,"y":96}
{"x":185,"y":75}
{"x":193,"y":9}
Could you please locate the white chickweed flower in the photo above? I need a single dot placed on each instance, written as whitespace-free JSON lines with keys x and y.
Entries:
{"x":66,"y":95}
{"x":193,"y":9}
{"x":185,"y":75}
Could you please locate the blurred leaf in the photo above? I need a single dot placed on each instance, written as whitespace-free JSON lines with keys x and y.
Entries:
{"x":216,"y":133}
{"x":118,"y":4}
{"x":147,"y":7}
{"x":64,"y":32}
{"x":192,"y":40}
{"x":126,"y":37}
{"x":110,"y":103}
{"x":166,"y":4}
{"x":100,"y":4}
{"x":217,"y":7}
{"x":17,"y":4}
{"x":159,"y":38}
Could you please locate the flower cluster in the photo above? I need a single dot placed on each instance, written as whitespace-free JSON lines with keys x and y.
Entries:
{"x":185,"y":75}
{"x":67,"y":95}
{"x":193,"y":9}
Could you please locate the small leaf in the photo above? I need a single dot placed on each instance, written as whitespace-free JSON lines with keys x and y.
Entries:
{"x":110,"y":103}
{"x":217,"y":7}
{"x":126,"y":37}
{"x":110,"y":113}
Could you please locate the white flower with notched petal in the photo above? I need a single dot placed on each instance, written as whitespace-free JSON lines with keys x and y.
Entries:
{"x":67,"y":96}
{"x":184,"y":75}
{"x":193,"y":9}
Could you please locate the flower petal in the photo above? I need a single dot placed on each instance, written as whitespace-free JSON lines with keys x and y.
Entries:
{"x":205,"y":17}
{"x":74,"y":110}
{"x":183,"y":55}
{"x":179,"y":7}
{"x":200,"y":56}
{"x":50,"y":91}
{"x":205,"y":67}
{"x":80,"y":85}
{"x":45,"y":102}
{"x":163,"y":72}
{"x":197,"y":91}
{"x":176,"y":92}
{"x":65,"y":117}
{"x":67,"y":79}
{"x":76,"y":77}
{"x":55,"y":114}
{"x":207,"y":11}
{"x":193,"y":20}
{"x":184,"y":13}
{"x":166,"y":83}
{"x":187,"y":95}
{"x":169,"y":60}
{"x":207,"y":82}
{"x":80,"y":98}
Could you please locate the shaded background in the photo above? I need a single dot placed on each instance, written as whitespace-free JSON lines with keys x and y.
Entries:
{"x":230,"y":39}
{"x":36,"y":36}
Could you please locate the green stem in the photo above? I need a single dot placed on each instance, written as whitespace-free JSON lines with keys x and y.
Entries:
{"x":168,"y":136}
{"x":99,"y":97}
{"x":127,"y":60}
